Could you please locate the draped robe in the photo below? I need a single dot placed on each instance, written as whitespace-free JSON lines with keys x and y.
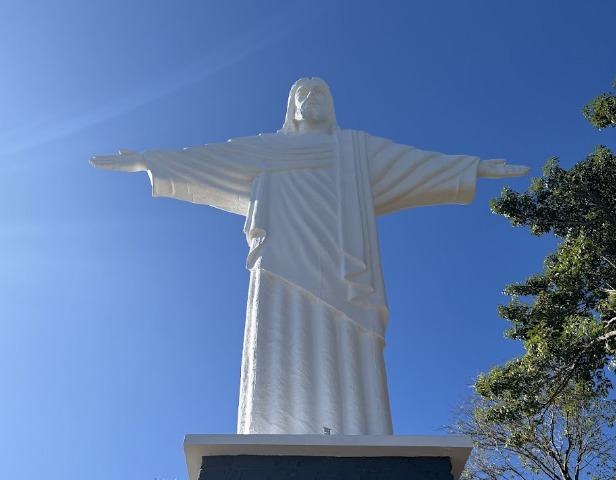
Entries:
{"x":316,"y":311}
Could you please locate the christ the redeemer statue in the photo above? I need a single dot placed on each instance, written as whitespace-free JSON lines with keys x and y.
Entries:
{"x":316,"y":312}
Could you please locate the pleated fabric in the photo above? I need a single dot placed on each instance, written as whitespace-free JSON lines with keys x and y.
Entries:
{"x":306,"y":366}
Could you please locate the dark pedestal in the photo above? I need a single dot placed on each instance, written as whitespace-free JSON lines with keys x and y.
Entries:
{"x":293,"y":467}
{"x":325,"y":457}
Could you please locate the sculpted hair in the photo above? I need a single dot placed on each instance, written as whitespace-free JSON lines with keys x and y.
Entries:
{"x":290,"y":123}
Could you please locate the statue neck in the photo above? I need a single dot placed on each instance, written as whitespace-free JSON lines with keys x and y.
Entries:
{"x":311,"y":127}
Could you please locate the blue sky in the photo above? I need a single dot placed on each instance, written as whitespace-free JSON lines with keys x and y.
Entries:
{"x":122,"y":315}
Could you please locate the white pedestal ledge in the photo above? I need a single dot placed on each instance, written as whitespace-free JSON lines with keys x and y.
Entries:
{"x":196,"y":447}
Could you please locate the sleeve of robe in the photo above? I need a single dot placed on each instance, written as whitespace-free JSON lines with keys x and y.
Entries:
{"x":402,"y":176}
{"x":219,"y":174}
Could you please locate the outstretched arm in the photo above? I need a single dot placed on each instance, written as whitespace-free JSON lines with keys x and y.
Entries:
{"x":125,"y":161}
{"x":215,"y":174}
{"x":498,"y":168}
{"x":404,"y":177}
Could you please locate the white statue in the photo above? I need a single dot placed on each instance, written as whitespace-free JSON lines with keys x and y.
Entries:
{"x":317,"y":312}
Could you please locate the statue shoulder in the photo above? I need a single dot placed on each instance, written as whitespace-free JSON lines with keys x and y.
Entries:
{"x":372,"y":141}
{"x":261,"y":137}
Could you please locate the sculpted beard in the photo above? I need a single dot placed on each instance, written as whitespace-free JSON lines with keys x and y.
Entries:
{"x":313,"y":111}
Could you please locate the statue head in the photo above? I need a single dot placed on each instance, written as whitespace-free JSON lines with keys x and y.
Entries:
{"x":310,"y":102}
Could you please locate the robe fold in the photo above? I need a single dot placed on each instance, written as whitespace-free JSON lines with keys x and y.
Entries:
{"x":316,"y":311}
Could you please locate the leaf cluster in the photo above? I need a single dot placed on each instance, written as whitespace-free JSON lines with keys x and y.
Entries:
{"x":548,"y":412}
{"x":564,"y":315}
{"x":601,"y":111}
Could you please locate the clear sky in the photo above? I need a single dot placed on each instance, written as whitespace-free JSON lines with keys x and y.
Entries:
{"x":121,"y":316}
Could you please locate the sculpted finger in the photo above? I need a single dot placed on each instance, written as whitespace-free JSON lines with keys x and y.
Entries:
{"x":103,"y":161}
{"x":518,"y":170}
{"x":126,"y":151}
{"x":124,"y":163}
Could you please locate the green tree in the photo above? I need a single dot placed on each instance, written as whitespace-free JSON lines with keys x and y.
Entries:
{"x":601,"y":111}
{"x":570,"y":439}
{"x":564,"y":315}
{"x":548,"y":412}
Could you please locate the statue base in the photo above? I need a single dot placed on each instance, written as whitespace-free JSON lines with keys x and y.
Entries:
{"x":319,"y":457}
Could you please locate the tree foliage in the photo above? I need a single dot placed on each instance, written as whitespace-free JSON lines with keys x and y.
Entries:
{"x":564,"y":315}
{"x":571,"y":439}
{"x":601,"y":111}
{"x":548,"y":412}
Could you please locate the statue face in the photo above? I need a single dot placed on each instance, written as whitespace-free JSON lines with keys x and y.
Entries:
{"x":311,"y":103}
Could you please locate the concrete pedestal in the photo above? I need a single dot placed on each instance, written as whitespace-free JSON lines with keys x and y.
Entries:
{"x":312,"y":457}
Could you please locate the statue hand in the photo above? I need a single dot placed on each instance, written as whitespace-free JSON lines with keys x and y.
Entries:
{"x":498,"y":168}
{"x":125,"y":161}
